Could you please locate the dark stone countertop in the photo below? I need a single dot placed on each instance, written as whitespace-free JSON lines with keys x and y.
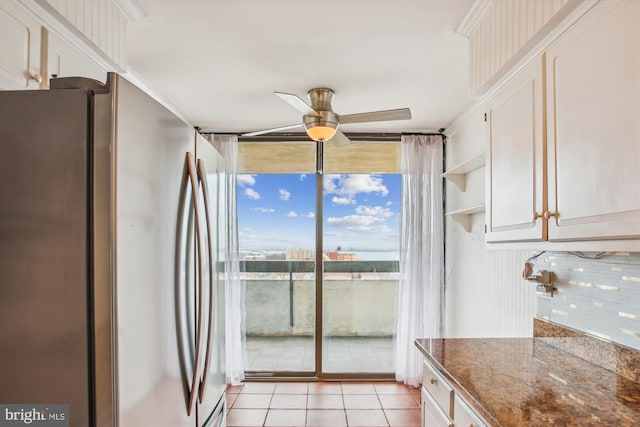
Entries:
{"x":524,"y":381}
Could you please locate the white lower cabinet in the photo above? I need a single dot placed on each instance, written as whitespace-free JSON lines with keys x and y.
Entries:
{"x":441,"y":407}
{"x":432,"y":415}
{"x":464,"y":415}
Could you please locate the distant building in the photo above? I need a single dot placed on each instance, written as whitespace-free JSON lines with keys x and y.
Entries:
{"x":300,"y":254}
{"x":308,"y":255}
{"x":342,"y":256}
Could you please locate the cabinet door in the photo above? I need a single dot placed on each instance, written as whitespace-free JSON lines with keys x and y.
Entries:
{"x":515,"y":169}
{"x":464,"y":415}
{"x":432,"y":415}
{"x":19,"y":48}
{"x":64,"y":60}
{"x":593,"y":122}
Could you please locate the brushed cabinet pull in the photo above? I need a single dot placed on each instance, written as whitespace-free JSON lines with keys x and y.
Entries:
{"x":36,"y":77}
{"x":549,"y":214}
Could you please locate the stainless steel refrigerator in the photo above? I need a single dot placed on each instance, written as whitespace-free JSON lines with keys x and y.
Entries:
{"x":112,"y":235}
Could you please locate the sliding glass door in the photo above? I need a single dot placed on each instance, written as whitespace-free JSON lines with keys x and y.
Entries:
{"x":360,"y":220}
{"x":319,"y":243}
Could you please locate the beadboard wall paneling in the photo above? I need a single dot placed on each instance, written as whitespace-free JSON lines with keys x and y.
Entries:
{"x":507,"y":29}
{"x":485,"y":294}
{"x":100,"y":22}
{"x":598,"y":297}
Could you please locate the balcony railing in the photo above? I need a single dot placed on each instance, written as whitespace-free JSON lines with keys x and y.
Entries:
{"x":359,"y":315}
{"x":359,"y":297}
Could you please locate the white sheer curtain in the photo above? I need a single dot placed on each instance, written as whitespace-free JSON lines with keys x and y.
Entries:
{"x":227,"y":145}
{"x":421,"y":252}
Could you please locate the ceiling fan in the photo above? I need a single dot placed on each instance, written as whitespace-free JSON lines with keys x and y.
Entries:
{"x":321,"y":123}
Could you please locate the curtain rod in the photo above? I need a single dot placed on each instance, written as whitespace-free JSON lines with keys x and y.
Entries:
{"x":301,"y":136}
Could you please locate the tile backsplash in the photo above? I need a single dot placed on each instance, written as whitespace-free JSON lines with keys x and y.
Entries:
{"x":600,"y":297}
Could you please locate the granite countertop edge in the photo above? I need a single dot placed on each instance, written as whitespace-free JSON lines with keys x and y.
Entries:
{"x":489,"y":393}
{"x":459,"y":389}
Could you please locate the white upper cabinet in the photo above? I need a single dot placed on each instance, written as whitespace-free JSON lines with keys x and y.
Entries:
{"x":593,"y":123}
{"x":515,"y":168}
{"x":563,"y":150}
{"x":64,"y":60}
{"x":19,"y":48}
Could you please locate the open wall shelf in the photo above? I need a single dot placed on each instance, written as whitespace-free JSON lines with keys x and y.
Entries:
{"x":463,"y":216}
{"x":458,"y":174}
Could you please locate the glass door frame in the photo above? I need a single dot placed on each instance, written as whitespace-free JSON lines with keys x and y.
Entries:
{"x":319,"y":374}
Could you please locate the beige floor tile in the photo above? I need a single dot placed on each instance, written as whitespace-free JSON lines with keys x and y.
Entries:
{"x":366,"y":418}
{"x":325,"y":401}
{"x":361,"y":401}
{"x":289,"y":401}
{"x":326,"y":418}
{"x":403,"y":417}
{"x":246,"y":417}
{"x":286,"y":418}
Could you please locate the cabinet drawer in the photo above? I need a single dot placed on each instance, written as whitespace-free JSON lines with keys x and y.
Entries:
{"x":438,"y":388}
{"x":464,"y":415}
{"x":432,"y":415}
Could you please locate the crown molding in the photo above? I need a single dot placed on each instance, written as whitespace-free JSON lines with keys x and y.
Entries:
{"x":473,"y":17}
{"x":132,"y":10}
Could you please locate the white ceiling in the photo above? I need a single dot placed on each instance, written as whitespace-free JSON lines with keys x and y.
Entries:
{"x":219,"y":61}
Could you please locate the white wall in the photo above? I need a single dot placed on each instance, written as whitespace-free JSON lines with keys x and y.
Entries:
{"x":485,"y":294}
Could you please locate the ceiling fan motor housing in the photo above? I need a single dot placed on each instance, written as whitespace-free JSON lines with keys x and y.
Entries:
{"x":320,"y":99}
{"x":321,"y":102}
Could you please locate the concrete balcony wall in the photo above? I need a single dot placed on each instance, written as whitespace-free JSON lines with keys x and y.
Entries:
{"x":352,"y":307}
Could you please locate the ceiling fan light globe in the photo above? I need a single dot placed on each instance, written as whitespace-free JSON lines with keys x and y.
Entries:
{"x":321,"y":132}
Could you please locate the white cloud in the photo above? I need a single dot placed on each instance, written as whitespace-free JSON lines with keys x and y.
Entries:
{"x":284,"y":194}
{"x":352,"y":221}
{"x":303,"y":176}
{"x":388,"y":203}
{"x":244,"y":179}
{"x":376,"y":211}
{"x":369,"y":219}
{"x":352,"y":184}
{"x":361,"y":223}
{"x":263,"y":210}
{"x":343,"y":200}
{"x":293,"y":214}
{"x":251,"y":193}
{"x":329,"y":184}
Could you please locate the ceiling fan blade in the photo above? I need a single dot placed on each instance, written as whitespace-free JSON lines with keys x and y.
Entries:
{"x":262,"y":132}
{"x":297,"y":103}
{"x":376,"y":116}
{"x":340,"y":139}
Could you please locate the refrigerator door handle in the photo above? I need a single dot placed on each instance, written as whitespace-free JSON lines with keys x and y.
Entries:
{"x":190,"y":179}
{"x":202,"y":177}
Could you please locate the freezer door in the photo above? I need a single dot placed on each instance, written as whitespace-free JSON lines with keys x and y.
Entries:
{"x":44,"y":256}
{"x":213,"y":383}
{"x":149,"y":150}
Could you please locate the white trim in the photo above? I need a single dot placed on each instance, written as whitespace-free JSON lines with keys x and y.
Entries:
{"x":473,"y":17}
{"x":132,"y":10}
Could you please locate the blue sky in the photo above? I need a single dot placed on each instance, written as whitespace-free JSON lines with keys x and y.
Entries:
{"x":278,"y":211}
